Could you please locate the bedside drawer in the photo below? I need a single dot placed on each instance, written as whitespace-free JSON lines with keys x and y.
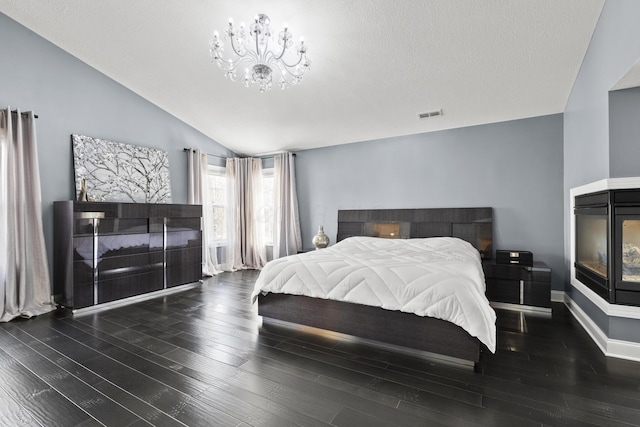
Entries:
{"x":501,"y":290}
{"x":537,"y":294}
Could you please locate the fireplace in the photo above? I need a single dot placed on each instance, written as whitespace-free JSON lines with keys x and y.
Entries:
{"x":607,"y":244}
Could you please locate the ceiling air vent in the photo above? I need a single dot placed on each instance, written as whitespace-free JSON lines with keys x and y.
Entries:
{"x":430,"y":114}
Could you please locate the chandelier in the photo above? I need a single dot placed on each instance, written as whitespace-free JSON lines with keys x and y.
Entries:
{"x":250,"y":51}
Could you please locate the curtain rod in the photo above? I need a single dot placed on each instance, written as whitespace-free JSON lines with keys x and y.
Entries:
{"x":210,"y":155}
{"x":24,"y":112}
{"x":222,"y":157}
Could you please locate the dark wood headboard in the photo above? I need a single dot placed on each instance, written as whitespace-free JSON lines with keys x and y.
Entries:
{"x":475,"y":225}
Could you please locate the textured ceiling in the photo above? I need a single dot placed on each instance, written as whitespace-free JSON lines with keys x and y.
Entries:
{"x":376,"y":64}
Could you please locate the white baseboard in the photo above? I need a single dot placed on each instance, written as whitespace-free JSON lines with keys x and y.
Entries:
{"x":557,"y":296}
{"x":610,"y":347}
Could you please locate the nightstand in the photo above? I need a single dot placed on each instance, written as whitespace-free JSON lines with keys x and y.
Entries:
{"x":517,"y":286}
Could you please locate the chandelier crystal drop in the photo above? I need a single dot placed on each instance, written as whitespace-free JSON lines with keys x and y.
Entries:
{"x":250,"y":53}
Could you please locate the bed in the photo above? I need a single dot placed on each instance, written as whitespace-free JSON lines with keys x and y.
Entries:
{"x":394,"y":257}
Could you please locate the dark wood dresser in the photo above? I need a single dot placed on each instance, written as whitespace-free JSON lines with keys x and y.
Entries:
{"x":519,"y":286}
{"x":106,"y":251}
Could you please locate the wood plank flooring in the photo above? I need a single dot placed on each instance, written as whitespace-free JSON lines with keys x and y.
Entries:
{"x":200,"y":358}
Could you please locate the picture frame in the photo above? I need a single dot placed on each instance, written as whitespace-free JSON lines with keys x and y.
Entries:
{"x":109,"y":171}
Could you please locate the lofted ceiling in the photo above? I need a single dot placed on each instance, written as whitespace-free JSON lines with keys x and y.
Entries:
{"x":376,"y":64}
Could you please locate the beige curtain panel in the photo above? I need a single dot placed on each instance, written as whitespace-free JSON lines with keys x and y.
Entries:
{"x":25,"y":287}
{"x":245,"y":236}
{"x":198,"y":194}
{"x":288,"y":238}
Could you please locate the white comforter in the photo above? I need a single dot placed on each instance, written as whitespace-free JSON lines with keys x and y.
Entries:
{"x":438,"y":277}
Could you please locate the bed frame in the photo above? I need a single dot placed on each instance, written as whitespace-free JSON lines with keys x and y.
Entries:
{"x":406,"y":330}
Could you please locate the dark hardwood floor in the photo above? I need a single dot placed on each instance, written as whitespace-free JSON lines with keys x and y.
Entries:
{"x":200,"y":358}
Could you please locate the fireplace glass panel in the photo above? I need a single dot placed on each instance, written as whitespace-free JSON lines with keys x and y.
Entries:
{"x":631,"y":250}
{"x":591,"y":242}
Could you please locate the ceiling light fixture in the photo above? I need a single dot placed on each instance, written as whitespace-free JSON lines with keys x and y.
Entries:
{"x":250,"y":49}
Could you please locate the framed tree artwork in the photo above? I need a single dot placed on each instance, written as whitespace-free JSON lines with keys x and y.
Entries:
{"x":108,"y":171}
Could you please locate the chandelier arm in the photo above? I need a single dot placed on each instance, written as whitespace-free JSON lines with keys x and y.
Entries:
{"x":286,"y":77}
{"x":293,"y":65}
{"x":266,"y":51}
{"x":221,"y":61}
{"x":269,"y":58}
{"x":232,"y":71}
{"x":284,"y":49}
{"x":272,"y":59}
{"x":241,"y":62}
{"x":233,"y":64}
{"x":284,"y":71}
{"x":248,"y":57}
{"x":233,"y":46}
{"x":258,"y":54}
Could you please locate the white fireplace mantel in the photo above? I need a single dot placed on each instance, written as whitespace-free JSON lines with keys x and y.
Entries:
{"x":605,"y":184}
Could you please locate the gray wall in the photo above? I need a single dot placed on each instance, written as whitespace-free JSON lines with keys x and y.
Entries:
{"x":588,"y":155}
{"x":71,"y":97}
{"x":624,"y":133}
{"x":514,"y":167}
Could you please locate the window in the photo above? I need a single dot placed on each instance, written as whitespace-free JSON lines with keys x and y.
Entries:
{"x":218,"y":199}
{"x":217,"y":187}
{"x":267,"y":217}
